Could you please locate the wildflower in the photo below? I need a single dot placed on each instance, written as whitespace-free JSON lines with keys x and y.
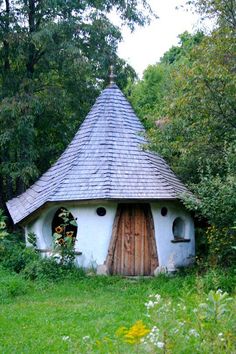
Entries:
{"x":160,"y":345}
{"x":193,"y":332}
{"x":149,"y":304}
{"x":153,"y":336}
{"x":65,"y":338}
{"x":59,"y":229}
{"x":158,"y":297}
{"x":220,"y":334}
{"x":175,"y":330}
{"x":155,"y":300}
{"x":86,"y":338}
{"x":121,"y":331}
{"x":69,"y":233}
{"x":136,"y":332}
{"x":181,"y":324}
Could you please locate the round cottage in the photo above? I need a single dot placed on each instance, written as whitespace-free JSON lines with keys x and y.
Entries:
{"x":126,"y":199}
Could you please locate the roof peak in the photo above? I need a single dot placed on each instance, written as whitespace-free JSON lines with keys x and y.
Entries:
{"x":112,"y":76}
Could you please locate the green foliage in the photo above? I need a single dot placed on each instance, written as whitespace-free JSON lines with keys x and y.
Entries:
{"x":146,"y":96}
{"x":83,"y":316}
{"x":177,"y":328}
{"x":54,"y":59}
{"x":32,"y":239}
{"x":49,"y":269}
{"x":192,"y":120}
{"x":216,"y":307}
{"x":186,"y":43}
{"x":223,"y":12}
{"x":3,"y":225}
{"x":64,"y":238}
{"x":11,"y":285}
{"x":16,"y":257}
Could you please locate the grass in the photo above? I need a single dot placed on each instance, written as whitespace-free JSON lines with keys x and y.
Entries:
{"x":83,"y":315}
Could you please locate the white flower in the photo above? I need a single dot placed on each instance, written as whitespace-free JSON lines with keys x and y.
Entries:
{"x":149,"y":304}
{"x":86,"y":338}
{"x":160,"y":344}
{"x":65,"y":338}
{"x":181,"y":324}
{"x":220,"y":334}
{"x":193,"y":332}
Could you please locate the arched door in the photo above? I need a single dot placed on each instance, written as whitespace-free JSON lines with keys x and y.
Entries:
{"x":133,"y":248}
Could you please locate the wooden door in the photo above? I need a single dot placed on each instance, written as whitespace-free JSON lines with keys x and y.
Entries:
{"x":133,"y":247}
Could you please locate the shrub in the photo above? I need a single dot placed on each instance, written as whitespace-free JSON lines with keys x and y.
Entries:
{"x":15,"y":256}
{"x":11,"y":285}
{"x":218,"y":278}
{"x":49,"y":269}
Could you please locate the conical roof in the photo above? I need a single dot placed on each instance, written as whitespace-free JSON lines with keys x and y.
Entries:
{"x":106,"y":160}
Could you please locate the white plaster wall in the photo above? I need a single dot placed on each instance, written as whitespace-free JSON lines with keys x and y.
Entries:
{"x":173,"y":254}
{"x":94,"y":232}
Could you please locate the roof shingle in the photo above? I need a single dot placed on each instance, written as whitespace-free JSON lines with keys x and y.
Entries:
{"x":105,"y":160}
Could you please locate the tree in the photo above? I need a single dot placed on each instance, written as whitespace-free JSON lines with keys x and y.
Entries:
{"x":148,"y":95}
{"x":54,"y":58}
{"x":193,"y":121}
{"x":222,"y":11}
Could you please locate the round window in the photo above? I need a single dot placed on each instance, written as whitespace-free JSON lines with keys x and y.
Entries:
{"x":101,"y":211}
{"x":164,"y":211}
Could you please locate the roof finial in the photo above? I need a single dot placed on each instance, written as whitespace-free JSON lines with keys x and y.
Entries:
{"x":112,"y":76}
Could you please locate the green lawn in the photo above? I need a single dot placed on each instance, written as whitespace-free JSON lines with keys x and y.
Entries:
{"x":83,"y":315}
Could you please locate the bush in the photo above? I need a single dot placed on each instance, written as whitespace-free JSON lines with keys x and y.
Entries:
{"x":218,"y":278}
{"x":11,"y":285}
{"x":15,"y":256}
{"x":48,"y":269}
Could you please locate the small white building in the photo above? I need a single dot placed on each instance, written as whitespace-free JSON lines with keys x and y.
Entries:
{"x":125,"y":199}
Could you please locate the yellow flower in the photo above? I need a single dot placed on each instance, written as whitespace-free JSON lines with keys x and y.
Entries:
{"x":121,"y":331}
{"x":61,"y":241}
{"x":69,"y":233}
{"x":59,"y":229}
{"x":136,"y":332}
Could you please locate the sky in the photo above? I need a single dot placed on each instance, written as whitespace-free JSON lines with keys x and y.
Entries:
{"x":147,"y":45}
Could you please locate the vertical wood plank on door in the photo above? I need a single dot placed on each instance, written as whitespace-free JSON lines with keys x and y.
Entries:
{"x":138,"y":242}
{"x":135,"y":249}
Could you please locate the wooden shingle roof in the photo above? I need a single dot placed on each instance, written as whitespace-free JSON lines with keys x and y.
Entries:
{"x":106,"y":160}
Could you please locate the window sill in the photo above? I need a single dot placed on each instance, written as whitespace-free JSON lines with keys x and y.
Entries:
{"x":181,"y":240}
{"x":47,"y":250}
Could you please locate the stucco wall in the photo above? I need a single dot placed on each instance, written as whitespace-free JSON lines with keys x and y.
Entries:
{"x":173,"y":254}
{"x":94,"y":232}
